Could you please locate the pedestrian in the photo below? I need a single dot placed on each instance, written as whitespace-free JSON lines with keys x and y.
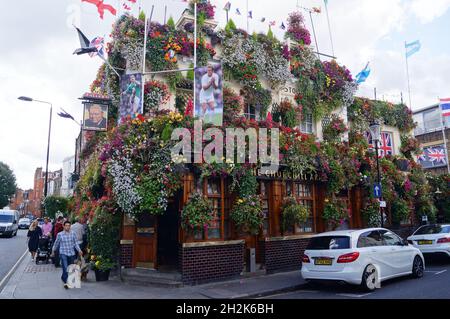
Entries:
{"x":66,"y":242}
{"x":46,"y":228}
{"x":34,"y":233}
{"x":56,"y":230}
{"x":78,"y":229}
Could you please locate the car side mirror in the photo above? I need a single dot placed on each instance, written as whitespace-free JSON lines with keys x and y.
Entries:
{"x":405,"y":242}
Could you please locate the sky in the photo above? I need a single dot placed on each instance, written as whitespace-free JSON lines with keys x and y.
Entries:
{"x":38,"y":40}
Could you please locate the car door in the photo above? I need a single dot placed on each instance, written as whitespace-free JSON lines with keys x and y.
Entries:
{"x":371,"y":245}
{"x":398,"y":254}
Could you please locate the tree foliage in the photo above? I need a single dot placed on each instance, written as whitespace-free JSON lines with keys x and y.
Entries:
{"x":7,"y":184}
{"x":55,"y":204}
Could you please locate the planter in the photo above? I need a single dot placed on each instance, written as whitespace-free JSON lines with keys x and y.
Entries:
{"x":101,"y":275}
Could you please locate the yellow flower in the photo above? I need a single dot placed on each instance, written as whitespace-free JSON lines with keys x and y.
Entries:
{"x":97,"y":263}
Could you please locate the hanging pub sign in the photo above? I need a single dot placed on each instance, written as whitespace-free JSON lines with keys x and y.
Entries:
{"x":95,"y":113}
{"x":209,"y":94}
{"x":131,"y":88}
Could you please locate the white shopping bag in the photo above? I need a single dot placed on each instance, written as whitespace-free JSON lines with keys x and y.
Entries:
{"x":74,"y":279}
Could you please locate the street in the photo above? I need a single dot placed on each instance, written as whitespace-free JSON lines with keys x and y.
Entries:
{"x":11,"y":249}
{"x":434,"y":285}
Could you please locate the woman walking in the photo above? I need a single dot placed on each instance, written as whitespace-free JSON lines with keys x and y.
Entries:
{"x":34,"y":233}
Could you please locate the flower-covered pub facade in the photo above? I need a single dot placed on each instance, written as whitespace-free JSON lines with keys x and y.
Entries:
{"x":203,"y":219}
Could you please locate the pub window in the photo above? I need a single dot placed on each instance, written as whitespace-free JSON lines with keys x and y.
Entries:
{"x":212,"y":189}
{"x":304,"y":193}
{"x":251,"y":112}
{"x":307,"y":124}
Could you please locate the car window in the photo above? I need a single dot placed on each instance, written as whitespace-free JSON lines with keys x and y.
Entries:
{"x":370,"y":239}
{"x":329,"y":243}
{"x":391,"y":239}
{"x":432,"y":229}
{"x":6,"y":218}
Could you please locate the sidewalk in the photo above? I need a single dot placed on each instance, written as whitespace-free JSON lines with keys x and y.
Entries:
{"x":31,"y":281}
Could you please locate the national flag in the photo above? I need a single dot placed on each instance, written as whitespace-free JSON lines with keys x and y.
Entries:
{"x":65,"y":115}
{"x":250,"y":14}
{"x":386,"y":146}
{"x":437,"y":155}
{"x":238,"y":12}
{"x":422,"y":157}
{"x":412,"y":48}
{"x":445,"y":107}
{"x":227,"y":6}
{"x":101,"y":7}
{"x":126,"y":7}
{"x":282,"y":26}
{"x":272,"y":23}
{"x":317,"y":10}
{"x":99,"y":44}
{"x":263,"y":20}
{"x":363,"y":75}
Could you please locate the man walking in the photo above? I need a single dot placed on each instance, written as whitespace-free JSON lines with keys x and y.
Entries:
{"x":67,"y":242}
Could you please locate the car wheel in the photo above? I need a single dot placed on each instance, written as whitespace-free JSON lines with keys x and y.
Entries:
{"x":369,"y":278}
{"x":418,"y":267}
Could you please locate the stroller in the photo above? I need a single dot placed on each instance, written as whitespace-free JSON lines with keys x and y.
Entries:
{"x":44,"y":250}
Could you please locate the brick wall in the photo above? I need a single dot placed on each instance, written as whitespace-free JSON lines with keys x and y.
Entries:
{"x":211,"y":263}
{"x":284,"y":255}
{"x":126,"y":255}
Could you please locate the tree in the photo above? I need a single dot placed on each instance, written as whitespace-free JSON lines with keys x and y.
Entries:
{"x":55,"y":204}
{"x":7,"y":184}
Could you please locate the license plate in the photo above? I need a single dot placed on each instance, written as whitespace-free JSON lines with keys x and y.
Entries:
{"x":425,"y":242}
{"x":323,"y":262}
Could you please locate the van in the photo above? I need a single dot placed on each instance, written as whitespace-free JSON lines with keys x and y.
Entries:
{"x":9,"y":222}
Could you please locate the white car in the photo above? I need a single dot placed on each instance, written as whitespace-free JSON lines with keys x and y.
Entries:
{"x":361,"y":257}
{"x":432,"y":239}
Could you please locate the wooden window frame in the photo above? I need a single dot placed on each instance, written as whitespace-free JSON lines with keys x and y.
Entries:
{"x":298,"y":198}
{"x":269,"y":198}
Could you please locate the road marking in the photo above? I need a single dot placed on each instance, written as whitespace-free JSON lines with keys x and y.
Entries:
{"x":441,"y":272}
{"x":354,"y":295}
{"x":12,"y":270}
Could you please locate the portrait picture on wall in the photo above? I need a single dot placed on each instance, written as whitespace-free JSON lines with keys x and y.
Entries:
{"x":209,"y":94}
{"x":95,"y":117}
{"x":130,"y":95}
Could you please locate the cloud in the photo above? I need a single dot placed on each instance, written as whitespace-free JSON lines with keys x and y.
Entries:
{"x":427,"y":10}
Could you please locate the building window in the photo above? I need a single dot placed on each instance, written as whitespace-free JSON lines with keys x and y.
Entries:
{"x":307,"y":124}
{"x":251,"y":112}
{"x":385,"y":145}
{"x":304,"y":193}
{"x":212,"y":189}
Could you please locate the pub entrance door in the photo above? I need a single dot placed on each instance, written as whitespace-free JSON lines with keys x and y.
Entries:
{"x":168,"y":236}
{"x":146,"y":241}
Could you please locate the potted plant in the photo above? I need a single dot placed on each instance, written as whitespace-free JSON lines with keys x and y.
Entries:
{"x":335,"y":213}
{"x":402,"y":164}
{"x":102,"y":267}
{"x":198,"y":213}
{"x":400,"y":211}
{"x":248,"y":214}
{"x":293,"y":213}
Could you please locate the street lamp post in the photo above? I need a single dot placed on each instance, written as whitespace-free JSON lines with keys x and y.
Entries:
{"x":375,"y":131}
{"x":28,"y":99}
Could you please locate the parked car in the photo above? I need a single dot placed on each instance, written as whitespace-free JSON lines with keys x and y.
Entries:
{"x":361,"y":257}
{"x":24,"y":223}
{"x":432,"y":239}
{"x":9,"y":221}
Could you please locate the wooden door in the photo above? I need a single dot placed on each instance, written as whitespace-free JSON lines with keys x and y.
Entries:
{"x":146,"y":241}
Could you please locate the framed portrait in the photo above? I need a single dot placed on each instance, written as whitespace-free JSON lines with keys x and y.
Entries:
{"x":131,"y":89}
{"x":95,"y":117}
{"x":209,"y":94}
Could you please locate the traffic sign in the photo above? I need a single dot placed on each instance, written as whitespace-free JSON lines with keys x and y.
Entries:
{"x":377,"y":191}
{"x":383,"y":204}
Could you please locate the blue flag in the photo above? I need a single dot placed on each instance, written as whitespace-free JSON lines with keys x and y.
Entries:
{"x":238,"y":12}
{"x":412,"y":48}
{"x":250,"y":14}
{"x":363,"y":75}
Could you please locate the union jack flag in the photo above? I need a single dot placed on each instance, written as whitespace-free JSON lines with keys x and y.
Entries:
{"x":422,"y":157}
{"x":437,"y":155}
{"x":386,"y":146}
{"x":99,"y":44}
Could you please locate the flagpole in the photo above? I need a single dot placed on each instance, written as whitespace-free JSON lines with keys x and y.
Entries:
{"x":247,"y":16}
{"x":329,"y":27}
{"x":314,"y":32}
{"x":145,"y":55}
{"x":195,"y":53}
{"x":407,"y":74}
{"x":443,"y":135}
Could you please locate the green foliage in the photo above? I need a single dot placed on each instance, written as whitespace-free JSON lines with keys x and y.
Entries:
{"x":245,"y":183}
{"x":7,"y":184}
{"x":293,"y":213}
{"x":198,"y":213}
{"x":190,"y":74}
{"x":171,"y":23}
{"x":440,"y":187}
{"x":104,"y":236}
{"x":371,"y":213}
{"x":270,"y":34}
{"x":230,"y":27}
{"x":142,"y":16}
{"x":150,"y":191}
{"x":248,"y":215}
{"x":55,"y":204}
{"x":400,"y":211}
{"x":335,"y":212}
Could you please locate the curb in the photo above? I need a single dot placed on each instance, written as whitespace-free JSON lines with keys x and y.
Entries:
{"x":269,"y":292}
{"x":6,"y":279}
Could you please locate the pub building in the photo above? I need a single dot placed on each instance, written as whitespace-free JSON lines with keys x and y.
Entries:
{"x":156,"y":249}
